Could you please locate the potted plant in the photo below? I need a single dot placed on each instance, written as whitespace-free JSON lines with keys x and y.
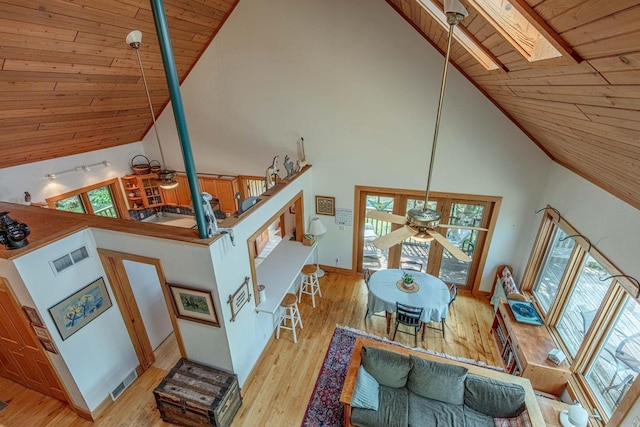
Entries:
{"x":407,"y":278}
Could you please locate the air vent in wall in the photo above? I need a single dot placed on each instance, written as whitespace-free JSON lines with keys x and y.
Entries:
{"x":117,"y":391}
{"x":69,"y":259}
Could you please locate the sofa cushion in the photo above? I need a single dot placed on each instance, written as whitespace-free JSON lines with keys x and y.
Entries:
{"x":476,"y":419}
{"x":393,"y":410}
{"x":388,"y":368}
{"x":435,"y":380}
{"x":428,"y":412}
{"x":365,"y":392}
{"x":493,"y":397}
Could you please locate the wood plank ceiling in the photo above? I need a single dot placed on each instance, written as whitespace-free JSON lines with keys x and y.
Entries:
{"x":69,"y":84}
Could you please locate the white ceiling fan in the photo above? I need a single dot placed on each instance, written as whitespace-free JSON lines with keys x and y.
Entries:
{"x":421,"y":223}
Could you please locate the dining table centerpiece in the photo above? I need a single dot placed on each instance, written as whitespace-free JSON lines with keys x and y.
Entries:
{"x":406,"y":283}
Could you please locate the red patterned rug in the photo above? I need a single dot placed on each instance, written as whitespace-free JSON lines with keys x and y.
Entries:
{"x":324,"y":408}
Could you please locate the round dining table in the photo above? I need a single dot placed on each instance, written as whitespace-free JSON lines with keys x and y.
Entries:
{"x":433,"y":295}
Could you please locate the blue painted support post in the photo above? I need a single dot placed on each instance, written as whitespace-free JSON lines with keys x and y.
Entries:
{"x":178,"y":111}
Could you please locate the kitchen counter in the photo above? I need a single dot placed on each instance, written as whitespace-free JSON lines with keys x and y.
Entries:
{"x":174,"y":220}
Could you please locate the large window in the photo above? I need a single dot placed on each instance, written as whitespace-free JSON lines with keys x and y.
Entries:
{"x":589,"y":307}
{"x":102,"y":199}
{"x":553,"y":268}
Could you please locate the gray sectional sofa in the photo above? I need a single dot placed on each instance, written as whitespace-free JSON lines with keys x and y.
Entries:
{"x":416,"y":391}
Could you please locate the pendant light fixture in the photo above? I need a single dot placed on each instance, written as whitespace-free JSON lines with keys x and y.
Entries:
{"x":166,"y":176}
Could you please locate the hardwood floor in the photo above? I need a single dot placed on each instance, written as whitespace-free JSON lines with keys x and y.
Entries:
{"x":282,"y":382}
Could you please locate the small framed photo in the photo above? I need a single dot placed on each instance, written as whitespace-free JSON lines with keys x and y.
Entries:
{"x":49,"y":346}
{"x":33,"y":316}
{"x":326,"y":205}
{"x":193,"y":304}
{"x":41,"y":332}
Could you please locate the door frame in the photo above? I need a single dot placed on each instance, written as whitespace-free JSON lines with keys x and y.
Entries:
{"x":493,"y":204}
{"x":113,"y":263}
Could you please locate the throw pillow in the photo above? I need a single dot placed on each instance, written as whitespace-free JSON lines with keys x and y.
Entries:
{"x":438,"y":381}
{"x":365,"y":393}
{"x":388,"y":368}
{"x":498,"y":399}
{"x":521,"y":420}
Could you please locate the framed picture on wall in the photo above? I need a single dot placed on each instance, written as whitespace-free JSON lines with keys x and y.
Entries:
{"x":49,"y":346}
{"x":194,"y":304}
{"x":41,"y":332}
{"x":325,"y":205}
{"x":80,"y":308}
{"x":33,"y":316}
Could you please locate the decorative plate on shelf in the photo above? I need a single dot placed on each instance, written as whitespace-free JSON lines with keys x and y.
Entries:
{"x":525,"y":312}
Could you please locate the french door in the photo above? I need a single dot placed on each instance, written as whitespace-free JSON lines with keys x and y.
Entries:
{"x":425,"y":256}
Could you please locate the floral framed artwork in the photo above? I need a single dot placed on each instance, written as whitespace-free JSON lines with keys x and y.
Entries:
{"x":79,"y":309}
{"x":193,"y":304}
{"x":325,"y":205}
{"x":33,"y":316}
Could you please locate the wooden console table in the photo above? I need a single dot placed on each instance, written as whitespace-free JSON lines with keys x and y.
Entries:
{"x":279,"y":270}
{"x":524,"y":350}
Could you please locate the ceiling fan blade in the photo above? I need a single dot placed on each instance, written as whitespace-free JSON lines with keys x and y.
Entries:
{"x":463,"y":227}
{"x":384,"y":216}
{"x":449,"y":246}
{"x":395,"y":237}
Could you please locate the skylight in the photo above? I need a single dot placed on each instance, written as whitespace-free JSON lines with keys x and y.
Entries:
{"x":516,"y":29}
{"x":471,"y":45}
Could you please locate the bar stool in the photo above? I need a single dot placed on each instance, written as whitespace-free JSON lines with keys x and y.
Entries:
{"x":291,"y":313}
{"x":310,"y":284}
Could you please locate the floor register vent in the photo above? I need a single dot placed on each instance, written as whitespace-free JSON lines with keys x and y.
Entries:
{"x":117,"y":391}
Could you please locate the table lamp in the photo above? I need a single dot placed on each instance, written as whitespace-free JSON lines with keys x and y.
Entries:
{"x":575,"y":416}
{"x":317,"y":228}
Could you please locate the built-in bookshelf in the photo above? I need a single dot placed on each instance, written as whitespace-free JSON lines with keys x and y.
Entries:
{"x":524,"y":350}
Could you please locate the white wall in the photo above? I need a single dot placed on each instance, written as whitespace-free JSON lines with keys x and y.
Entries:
{"x":183,"y":264}
{"x":361,"y":86}
{"x":100,"y":354}
{"x":148,"y":294}
{"x":14,"y":181}
{"x":250,"y":332}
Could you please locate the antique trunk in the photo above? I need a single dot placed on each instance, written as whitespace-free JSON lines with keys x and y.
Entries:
{"x":197,"y":395}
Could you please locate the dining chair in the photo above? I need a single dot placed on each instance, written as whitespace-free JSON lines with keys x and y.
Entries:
{"x":453,"y":294}
{"x":367,"y":276}
{"x":409,"y":316}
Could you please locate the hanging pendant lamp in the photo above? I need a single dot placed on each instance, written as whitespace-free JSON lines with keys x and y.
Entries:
{"x":166,"y":176}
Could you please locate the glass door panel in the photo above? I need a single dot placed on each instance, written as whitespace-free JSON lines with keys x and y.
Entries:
{"x":585,"y":297}
{"x":372,"y":257}
{"x":71,"y":204}
{"x":555,"y":263}
{"x":415,"y":253}
{"x":617,"y":364}
{"x":452,"y":270}
{"x":102,"y":202}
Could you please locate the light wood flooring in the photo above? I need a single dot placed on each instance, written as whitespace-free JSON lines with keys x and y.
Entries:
{"x":282,"y":382}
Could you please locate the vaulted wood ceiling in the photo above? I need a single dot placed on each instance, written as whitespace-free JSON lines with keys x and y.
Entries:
{"x":70,"y":84}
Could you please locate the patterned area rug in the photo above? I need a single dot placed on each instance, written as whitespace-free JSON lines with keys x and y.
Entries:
{"x":324,"y":408}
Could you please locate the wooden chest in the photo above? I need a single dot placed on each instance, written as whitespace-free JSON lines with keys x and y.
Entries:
{"x":197,"y":395}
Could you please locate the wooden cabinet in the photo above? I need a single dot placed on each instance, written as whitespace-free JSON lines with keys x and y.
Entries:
{"x":142,"y":191}
{"x":197,"y":395}
{"x":222,"y":188}
{"x":179,"y":196}
{"x":524,"y":350}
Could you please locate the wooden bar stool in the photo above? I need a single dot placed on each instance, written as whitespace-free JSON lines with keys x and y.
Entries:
{"x":291,"y":313}
{"x":310,"y":284}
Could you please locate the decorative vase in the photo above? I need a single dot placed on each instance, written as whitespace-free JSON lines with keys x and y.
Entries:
{"x":13,"y":234}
